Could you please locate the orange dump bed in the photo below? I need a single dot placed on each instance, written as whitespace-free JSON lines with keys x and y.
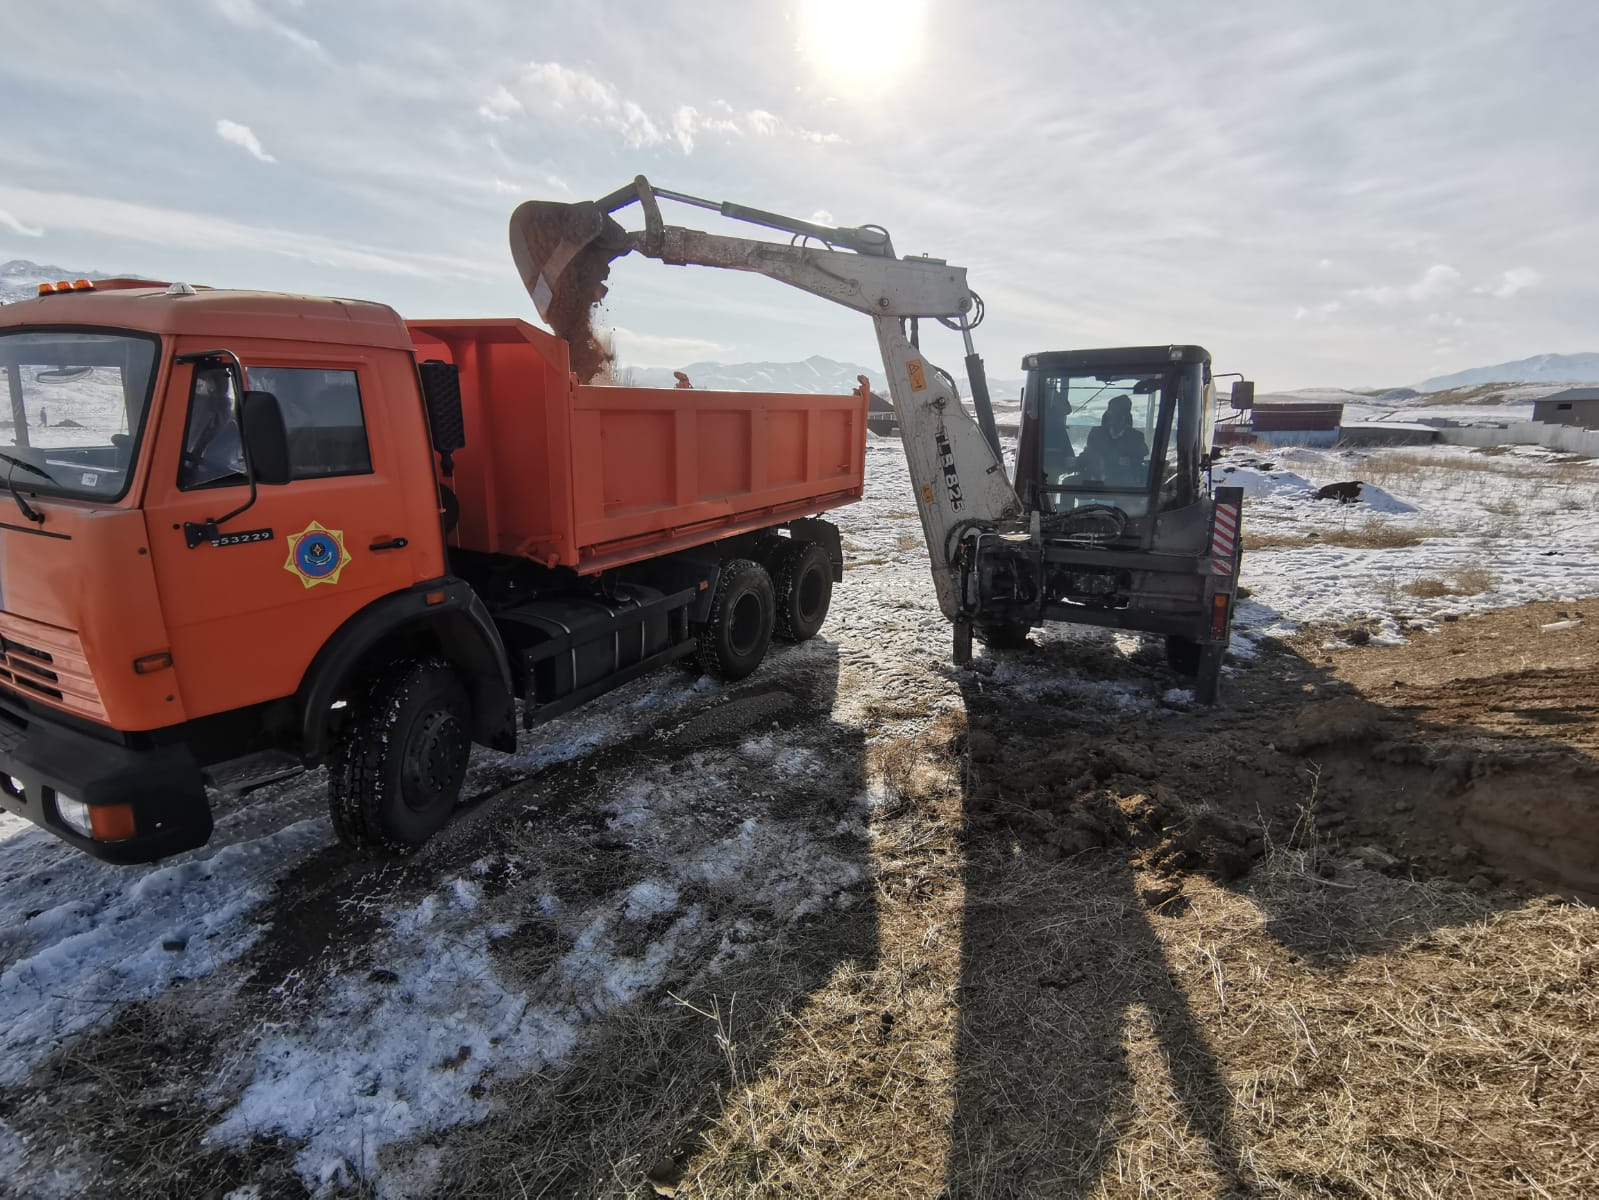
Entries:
{"x":592,"y":477}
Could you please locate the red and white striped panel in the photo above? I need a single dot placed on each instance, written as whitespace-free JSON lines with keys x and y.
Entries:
{"x":1224,"y":539}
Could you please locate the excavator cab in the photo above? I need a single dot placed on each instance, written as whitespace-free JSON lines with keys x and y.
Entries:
{"x":1122,"y":432}
{"x":1124,"y":529}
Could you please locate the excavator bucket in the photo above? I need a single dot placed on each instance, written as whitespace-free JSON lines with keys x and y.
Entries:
{"x":563,"y":253}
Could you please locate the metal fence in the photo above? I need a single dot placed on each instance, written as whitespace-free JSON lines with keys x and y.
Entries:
{"x":1526,"y":433}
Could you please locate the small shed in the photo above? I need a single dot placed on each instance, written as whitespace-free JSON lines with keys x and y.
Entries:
{"x":1574,"y":406}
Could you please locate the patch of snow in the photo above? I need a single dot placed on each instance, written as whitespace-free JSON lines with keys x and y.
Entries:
{"x":91,"y":938}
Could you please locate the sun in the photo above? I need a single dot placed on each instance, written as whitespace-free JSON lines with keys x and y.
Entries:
{"x":862,"y":46}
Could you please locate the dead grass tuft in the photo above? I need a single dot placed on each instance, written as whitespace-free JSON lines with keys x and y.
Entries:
{"x":1372,"y":534}
{"x":1466,"y":581}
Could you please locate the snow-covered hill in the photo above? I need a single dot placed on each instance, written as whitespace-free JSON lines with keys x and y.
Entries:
{"x":1541,"y":368}
{"x":814,"y":374}
{"x":20,"y":279}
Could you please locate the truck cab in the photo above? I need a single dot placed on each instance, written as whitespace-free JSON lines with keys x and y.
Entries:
{"x":243,"y":533}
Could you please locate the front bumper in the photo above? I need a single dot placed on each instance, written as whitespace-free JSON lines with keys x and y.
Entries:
{"x":162,"y":786}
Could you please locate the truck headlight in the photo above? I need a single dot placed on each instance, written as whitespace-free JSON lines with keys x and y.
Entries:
{"x":74,"y":815}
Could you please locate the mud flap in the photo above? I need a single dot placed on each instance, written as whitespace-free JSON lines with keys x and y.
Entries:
{"x":963,"y":642}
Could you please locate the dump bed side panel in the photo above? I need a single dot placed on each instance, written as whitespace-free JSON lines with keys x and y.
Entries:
{"x":663,"y":469}
{"x":593,"y":477}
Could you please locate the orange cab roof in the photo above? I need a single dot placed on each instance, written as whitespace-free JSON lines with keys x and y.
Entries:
{"x":217,"y":313}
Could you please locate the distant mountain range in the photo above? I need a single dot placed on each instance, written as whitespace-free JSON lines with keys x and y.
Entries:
{"x":814,"y":374}
{"x":20,"y":279}
{"x":1541,"y":368}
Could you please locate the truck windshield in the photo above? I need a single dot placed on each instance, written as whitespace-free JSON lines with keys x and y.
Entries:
{"x":1098,"y":432}
{"x":72,"y":407}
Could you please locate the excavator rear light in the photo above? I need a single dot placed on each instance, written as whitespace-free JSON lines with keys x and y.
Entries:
{"x":1218,"y":616}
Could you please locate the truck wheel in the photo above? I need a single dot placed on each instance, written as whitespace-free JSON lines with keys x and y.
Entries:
{"x":804,"y":585}
{"x":1011,"y":635}
{"x":739,"y":629}
{"x":1182,"y":654}
{"x":396,"y":773}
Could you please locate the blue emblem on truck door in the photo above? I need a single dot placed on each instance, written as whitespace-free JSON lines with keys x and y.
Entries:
{"x":317,"y":554}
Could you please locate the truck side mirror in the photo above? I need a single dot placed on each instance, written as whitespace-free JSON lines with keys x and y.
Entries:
{"x":1243,"y":394}
{"x":266,"y":438}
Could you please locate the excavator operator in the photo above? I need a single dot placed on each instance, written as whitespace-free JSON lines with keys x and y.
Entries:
{"x":1116,"y":453}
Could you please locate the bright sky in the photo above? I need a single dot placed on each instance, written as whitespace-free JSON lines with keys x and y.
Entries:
{"x":1362,"y":193}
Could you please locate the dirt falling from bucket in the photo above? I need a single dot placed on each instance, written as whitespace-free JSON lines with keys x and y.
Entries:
{"x":576,"y":299}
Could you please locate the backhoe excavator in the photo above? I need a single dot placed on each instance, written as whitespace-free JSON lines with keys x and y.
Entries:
{"x":1111,"y":519}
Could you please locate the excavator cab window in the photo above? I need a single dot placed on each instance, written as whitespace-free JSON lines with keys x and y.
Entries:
{"x":1119,"y":438}
{"x":1098,"y":431}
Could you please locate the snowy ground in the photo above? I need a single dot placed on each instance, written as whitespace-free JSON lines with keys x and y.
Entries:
{"x":1487,"y":531}
{"x":669,"y":831}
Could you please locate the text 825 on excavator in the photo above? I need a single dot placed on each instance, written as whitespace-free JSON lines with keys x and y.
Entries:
{"x":1111,"y":519}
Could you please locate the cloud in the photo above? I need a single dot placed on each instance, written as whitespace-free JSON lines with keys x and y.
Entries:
{"x":243,"y":135}
{"x":1437,"y":280}
{"x":644,"y":350}
{"x":7,"y":221}
{"x":71,"y":213}
{"x":499,"y":105}
{"x":1517,"y":279}
{"x":250,"y":14}
{"x":551,"y":87}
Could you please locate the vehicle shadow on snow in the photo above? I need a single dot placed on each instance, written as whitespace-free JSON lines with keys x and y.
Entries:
{"x":1351,"y":825}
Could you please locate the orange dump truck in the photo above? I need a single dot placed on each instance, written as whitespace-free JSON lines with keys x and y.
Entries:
{"x":253,"y":532}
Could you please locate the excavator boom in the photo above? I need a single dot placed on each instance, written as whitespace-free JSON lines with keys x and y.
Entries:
{"x":563,"y":253}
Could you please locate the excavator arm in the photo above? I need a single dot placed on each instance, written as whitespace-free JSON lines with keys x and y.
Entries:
{"x":563,"y":252}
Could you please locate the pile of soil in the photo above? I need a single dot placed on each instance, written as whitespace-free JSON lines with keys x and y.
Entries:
{"x":1469,"y":754}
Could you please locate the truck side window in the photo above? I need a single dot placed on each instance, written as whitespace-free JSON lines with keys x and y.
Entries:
{"x":322,"y":411}
{"x":213,"y":455}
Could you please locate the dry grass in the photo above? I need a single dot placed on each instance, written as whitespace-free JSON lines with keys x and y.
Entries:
{"x":1372,"y":534}
{"x":857,"y":1093}
{"x":1466,"y":581}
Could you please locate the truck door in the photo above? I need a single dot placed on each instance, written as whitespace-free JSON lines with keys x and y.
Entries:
{"x":247,"y":611}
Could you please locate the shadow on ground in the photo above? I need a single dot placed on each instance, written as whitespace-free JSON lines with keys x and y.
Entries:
{"x":1173,"y":921}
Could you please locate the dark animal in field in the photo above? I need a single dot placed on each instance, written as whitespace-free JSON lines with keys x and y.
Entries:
{"x":1344,"y":493}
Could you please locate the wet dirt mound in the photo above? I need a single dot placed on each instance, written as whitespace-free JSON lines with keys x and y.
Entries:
{"x":1448,"y":758}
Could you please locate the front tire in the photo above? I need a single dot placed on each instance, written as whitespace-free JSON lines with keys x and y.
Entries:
{"x":739,"y":628}
{"x":397,"y":771}
{"x":804,"y":584}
